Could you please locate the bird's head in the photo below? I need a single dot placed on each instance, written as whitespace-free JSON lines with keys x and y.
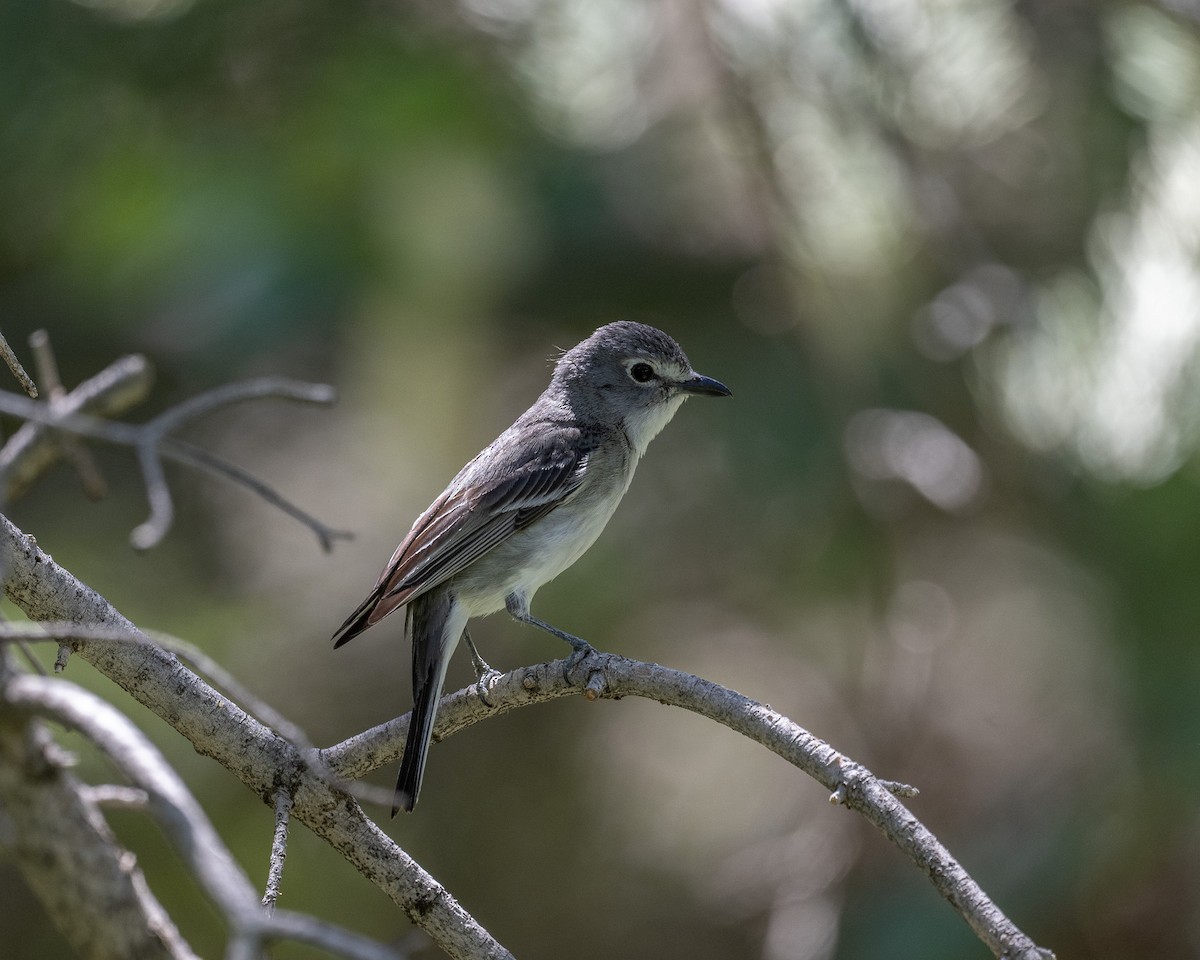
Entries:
{"x":631,"y":374}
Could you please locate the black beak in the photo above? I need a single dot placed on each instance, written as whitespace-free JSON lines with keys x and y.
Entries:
{"x":705,"y":386}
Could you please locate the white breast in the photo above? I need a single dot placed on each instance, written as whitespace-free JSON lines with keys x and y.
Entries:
{"x":538,"y":554}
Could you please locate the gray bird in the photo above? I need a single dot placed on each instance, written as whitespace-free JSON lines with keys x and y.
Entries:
{"x":525,"y":509}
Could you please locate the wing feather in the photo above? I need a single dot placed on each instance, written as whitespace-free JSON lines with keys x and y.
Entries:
{"x":485,"y":504}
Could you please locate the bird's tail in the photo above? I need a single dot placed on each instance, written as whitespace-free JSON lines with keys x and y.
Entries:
{"x":434,"y":626}
{"x":416,"y":746}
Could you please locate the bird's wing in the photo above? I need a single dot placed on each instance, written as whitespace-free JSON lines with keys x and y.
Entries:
{"x":489,"y":501}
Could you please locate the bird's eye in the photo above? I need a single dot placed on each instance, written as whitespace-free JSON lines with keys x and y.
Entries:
{"x":642,"y":372}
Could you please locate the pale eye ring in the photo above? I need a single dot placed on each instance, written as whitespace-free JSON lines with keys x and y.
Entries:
{"x":642,"y":372}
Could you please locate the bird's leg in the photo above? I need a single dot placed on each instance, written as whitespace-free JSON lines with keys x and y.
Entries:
{"x":485,"y":675}
{"x":518,"y":608}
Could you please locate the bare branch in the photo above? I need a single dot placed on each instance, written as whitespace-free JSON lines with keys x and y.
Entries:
{"x":117,"y":797}
{"x":150,"y":532}
{"x":30,"y":451}
{"x":252,"y":752}
{"x":69,"y":636}
{"x":66,"y":852}
{"x":612,"y":677}
{"x":181,"y":818}
{"x":183,"y":452}
{"x":33,"y":448}
{"x":263,"y":761}
{"x":260,"y":388}
{"x":283,"y":810}
{"x":18,"y":371}
{"x":94,"y":487}
{"x":152,"y":434}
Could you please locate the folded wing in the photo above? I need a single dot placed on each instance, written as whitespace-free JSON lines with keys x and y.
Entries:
{"x":476,"y":513}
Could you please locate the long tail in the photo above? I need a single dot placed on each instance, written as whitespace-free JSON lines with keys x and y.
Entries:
{"x":436,"y":622}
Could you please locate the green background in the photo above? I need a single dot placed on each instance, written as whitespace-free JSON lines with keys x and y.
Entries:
{"x":947,"y":256}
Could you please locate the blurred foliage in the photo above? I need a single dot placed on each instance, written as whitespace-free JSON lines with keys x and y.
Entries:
{"x":947,"y":255}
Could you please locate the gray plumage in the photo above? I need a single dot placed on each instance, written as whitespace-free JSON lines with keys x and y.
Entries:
{"x":525,"y":509}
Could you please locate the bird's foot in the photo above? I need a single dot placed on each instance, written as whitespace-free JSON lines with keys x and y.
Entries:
{"x":580,"y":651}
{"x":484,"y":681}
{"x":485,"y":675}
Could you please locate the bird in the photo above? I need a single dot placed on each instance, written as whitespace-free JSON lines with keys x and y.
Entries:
{"x":524,"y":510}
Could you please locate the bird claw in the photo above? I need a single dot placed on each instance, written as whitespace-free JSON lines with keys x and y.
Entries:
{"x":484,"y":681}
{"x":579,"y":653}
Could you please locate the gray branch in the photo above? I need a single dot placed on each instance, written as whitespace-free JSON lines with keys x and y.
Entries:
{"x":46,"y":364}
{"x":114,"y":796}
{"x":168,"y":799}
{"x":68,"y":636}
{"x":257,"y":755}
{"x":264,"y":760}
{"x":14,"y":365}
{"x":88,"y":884}
{"x":610,"y":676}
{"x":283,"y":812}
{"x":181,"y":818}
{"x":33,"y":448}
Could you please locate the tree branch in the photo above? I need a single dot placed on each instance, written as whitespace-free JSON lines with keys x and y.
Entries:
{"x":181,"y":818}
{"x":613,"y":677}
{"x":69,"y":635}
{"x":255,"y":754}
{"x":263,"y":761}
{"x":32,"y":449}
{"x":88,"y":884}
{"x":94,"y":487}
{"x":14,"y":365}
{"x":283,"y":812}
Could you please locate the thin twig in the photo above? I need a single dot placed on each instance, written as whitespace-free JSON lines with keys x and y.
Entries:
{"x":94,"y":487}
{"x":337,"y":940}
{"x":151,"y":442}
{"x":18,"y":371}
{"x":260,"y":388}
{"x":34,"y":447}
{"x":184,"y":452}
{"x":46,"y":365}
{"x":27,"y":652}
{"x":149,"y":533}
{"x":117,"y":797}
{"x":283,"y":809}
